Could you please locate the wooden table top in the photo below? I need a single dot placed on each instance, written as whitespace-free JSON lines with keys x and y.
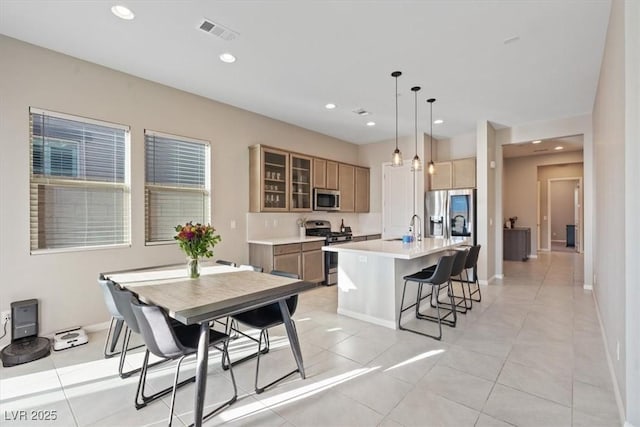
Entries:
{"x":219,"y":291}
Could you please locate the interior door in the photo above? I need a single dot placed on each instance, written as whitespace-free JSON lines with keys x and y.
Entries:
{"x":397,"y":200}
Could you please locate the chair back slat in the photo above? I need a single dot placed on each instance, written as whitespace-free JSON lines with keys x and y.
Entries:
{"x":156,"y":330}
{"x":443,"y":270}
{"x":459,"y":262}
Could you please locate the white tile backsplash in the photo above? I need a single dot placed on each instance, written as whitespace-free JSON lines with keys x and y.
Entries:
{"x":276,"y":225}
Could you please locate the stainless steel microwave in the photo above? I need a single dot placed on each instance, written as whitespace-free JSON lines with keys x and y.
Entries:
{"x":326,"y":200}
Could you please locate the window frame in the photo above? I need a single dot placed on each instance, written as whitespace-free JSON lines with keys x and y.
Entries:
{"x":36,"y":180}
{"x":207,"y":191}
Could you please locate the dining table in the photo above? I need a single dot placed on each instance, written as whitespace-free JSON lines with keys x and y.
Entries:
{"x":220,"y":291}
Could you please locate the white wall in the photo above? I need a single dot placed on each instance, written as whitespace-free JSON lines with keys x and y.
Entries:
{"x":610,"y":144}
{"x":65,"y":283}
{"x":632,"y":208}
{"x":456,"y":147}
{"x":486,"y":201}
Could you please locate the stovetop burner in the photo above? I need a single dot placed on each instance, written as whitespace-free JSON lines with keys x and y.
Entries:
{"x":323,"y":229}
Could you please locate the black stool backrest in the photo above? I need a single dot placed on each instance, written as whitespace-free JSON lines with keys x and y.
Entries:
{"x":472,"y":257}
{"x":442,"y":272}
{"x":122,"y":298}
{"x":156,"y":330}
{"x":458,"y":262}
{"x":292,"y":302}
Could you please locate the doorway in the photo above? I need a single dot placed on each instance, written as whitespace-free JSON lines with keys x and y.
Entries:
{"x":564,"y":212}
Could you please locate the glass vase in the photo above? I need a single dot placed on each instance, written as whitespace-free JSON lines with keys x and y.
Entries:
{"x":193,"y":267}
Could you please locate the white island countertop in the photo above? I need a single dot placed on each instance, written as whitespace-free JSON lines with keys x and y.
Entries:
{"x":397,"y":249}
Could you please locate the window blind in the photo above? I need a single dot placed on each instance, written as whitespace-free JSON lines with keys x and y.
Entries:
{"x":79,"y":184}
{"x":177,"y":184}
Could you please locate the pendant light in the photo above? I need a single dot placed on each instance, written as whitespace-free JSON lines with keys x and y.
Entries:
{"x":432,"y":167}
{"x":416,"y":164}
{"x":396,"y":159}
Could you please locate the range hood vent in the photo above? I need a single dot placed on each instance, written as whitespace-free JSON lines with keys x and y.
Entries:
{"x":217,"y":30}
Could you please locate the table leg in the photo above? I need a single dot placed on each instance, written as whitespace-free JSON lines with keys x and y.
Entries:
{"x":293,"y":336}
{"x":201,"y":373}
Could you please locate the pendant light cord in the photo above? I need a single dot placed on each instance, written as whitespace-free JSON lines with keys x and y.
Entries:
{"x":396,"y":77}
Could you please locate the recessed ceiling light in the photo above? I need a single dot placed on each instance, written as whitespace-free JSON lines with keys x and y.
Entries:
{"x":559,"y":147}
{"x":438,"y":122}
{"x":330,"y":106}
{"x":227,"y":57}
{"x":537,"y":141}
{"x":122,"y":12}
{"x":371,"y":123}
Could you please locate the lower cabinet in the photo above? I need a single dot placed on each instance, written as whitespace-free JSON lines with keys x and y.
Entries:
{"x":304,"y":259}
{"x":516,"y":244}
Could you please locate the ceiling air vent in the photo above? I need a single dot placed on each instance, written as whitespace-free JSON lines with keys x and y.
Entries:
{"x":362,"y":112}
{"x":218,"y":30}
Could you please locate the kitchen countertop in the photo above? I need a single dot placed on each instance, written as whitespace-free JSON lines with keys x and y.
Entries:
{"x":397,"y":249}
{"x":363,"y":233}
{"x":285,"y":240}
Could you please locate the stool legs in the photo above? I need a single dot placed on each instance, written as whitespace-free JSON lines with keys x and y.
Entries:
{"x":438,"y":319}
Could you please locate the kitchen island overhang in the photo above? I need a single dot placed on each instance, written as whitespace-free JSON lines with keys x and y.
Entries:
{"x":370,"y":274}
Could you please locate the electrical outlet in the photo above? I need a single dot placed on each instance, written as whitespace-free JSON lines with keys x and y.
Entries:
{"x":5,"y":316}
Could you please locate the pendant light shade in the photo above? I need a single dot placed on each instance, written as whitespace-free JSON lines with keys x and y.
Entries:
{"x":432,"y":167}
{"x":416,"y":164}
{"x":396,"y":159}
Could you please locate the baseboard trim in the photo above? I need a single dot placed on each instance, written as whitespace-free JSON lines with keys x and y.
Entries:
{"x":499,"y":276}
{"x":533,"y":256}
{"x":587,"y":287}
{"x":492,"y":279}
{"x":370,"y":319}
{"x":612,"y":372}
{"x":544,"y":250}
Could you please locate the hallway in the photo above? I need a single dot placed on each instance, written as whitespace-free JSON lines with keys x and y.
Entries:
{"x":530,"y":354}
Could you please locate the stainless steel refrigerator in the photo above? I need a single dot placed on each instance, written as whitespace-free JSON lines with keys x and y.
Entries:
{"x":451,"y":213}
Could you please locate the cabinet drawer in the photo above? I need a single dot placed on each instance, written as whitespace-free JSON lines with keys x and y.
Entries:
{"x":286,"y":249}
{"x":312,"y":246}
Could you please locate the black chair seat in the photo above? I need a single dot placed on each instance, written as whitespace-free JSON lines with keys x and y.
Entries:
{"x":189,"y":335}
{"x":261,"y":318}
{"x":423,"y":276}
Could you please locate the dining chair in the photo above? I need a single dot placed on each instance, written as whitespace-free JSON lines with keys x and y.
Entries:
{"x":263,"y":318}
{"x":115,"y":329}
{"x":122,"y":298}
{"x":472,"y":260}
{"x":175,"y":342}
{"x":256,"y":268}
{"x":463,"y":303}
{"x":224,"y":262}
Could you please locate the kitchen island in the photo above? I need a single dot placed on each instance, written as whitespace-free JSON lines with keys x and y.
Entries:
{"x":370,"y":274}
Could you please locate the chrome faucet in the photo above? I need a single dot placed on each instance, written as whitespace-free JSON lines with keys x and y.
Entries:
{"x":416,"y":235}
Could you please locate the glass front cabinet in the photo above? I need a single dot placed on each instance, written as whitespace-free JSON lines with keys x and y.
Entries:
{"x":301,"y":190}
{"x":279,"y":181}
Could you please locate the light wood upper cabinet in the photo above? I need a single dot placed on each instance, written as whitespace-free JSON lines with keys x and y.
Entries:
{"x":319,"y":173}
{"x":464,"y":173}
{"x":362,"y":190}
{"x":441,"y":178}
{"x":346,"y":185}
{"x":459,"y":173}
{"x":300,"y":178}
{"x":268,"y":179}
{"x":332,"y":175}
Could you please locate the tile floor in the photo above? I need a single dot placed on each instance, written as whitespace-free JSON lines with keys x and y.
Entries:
{"x":530,"y":354}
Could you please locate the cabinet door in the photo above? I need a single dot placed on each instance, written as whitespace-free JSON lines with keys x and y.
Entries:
{"x":319,"y":173}
{"x":275,"y":179}
{"x":313,"y":266}
{"x":362,"y":190}
{"x":346,"y":184}
{"x":332,"y":175}
{"x":300,"y":190}
{"x":464,"y":173}
{"x":441,"y":178}
{"x":287,"y":262}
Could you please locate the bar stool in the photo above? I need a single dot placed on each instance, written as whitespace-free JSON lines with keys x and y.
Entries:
{"x":472,"y":260}
{"x":438,"y":279}
{"x":456,"y":271}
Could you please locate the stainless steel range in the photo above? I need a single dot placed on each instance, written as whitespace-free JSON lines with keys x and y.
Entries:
{"x":323,"y":229}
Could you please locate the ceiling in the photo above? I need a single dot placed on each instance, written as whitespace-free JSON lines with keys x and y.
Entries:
{"x":509,"y":62}
{"x":547,"y":146}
